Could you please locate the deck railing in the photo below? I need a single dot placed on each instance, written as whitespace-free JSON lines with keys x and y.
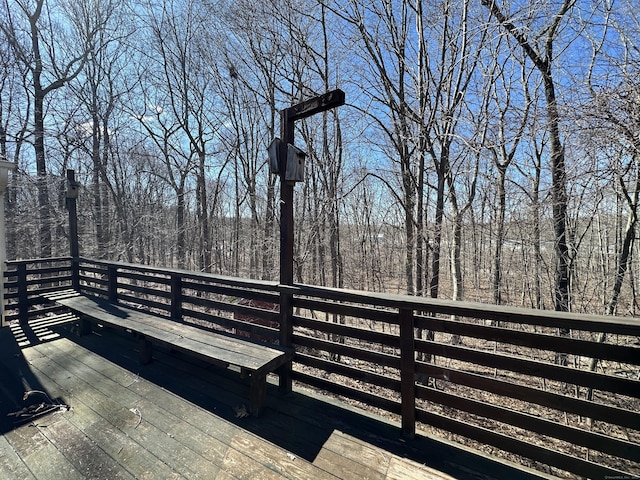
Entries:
{"x":500,"y":378}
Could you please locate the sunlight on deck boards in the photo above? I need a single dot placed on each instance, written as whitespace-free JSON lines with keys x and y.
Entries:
{"x":348,"y":457}
{"x":122,"y":426}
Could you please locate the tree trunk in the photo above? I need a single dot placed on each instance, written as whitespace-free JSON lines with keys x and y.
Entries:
{"x":44,"y":207}
{"x":543,"y":63}
{"x":624,"y":260}
{"x":203,"y":214}
{"x":268,"y":254}
{"x":497,"y":256}
{"x":559,"y":200}
{"x":180,"y":240}
{"x":96,"y":178}
{"x":537,"y":239}
{"x":434,"y":283}
{"x":456,"y":266}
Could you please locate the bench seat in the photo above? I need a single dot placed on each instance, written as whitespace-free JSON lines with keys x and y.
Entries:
{"x":254,"y":359}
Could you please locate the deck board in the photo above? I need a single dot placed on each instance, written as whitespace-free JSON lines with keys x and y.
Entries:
{"x":155,"y":429}
{"x":186,"y":428}
{"x":40,"y":456}
{"x":86,"y":456}
{"x":11,"y":464}
{"x":351,"y":459}
{"x":356,"y":457}
{"x":284,"y":463}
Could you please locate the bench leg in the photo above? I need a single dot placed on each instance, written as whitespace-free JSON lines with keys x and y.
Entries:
{"x":258,"y":393}
{"x":145,"y":350}
{"x":84,"y":326}
{"x":284,"y":377}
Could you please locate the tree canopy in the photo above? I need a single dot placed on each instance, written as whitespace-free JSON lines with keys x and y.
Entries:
{"x":488,"y":150}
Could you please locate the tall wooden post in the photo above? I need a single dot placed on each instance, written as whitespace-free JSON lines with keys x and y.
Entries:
{"x":286,"y":246}
{"x":286,"y":201}
{"x":288,"y":117}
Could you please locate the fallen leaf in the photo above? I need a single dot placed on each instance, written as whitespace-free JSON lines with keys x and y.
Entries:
{"x":241,"y":411}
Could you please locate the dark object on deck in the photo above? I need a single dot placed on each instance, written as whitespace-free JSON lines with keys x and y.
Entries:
{"x":42,"y":406}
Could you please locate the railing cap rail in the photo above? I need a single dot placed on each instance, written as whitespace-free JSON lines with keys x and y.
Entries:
{"x":37,"y":260}
{"x":190,"y":274}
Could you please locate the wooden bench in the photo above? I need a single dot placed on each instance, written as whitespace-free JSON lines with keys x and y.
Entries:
{"x":253,"y":358}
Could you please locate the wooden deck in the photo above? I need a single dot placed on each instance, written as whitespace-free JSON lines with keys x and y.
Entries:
{"x":176,"y":418}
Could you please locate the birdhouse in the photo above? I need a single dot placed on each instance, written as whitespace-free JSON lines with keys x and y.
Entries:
{"x":274,"y":150}
{"x":5,"y":166}
{"x":295,"y":164}
{"x":73,"y":188}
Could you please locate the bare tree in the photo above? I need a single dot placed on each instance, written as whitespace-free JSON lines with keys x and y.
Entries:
{"x":613,"y":116}
{"x":381,"y":31}
{"x":543,"y":59}
{"x":505,"y":139}
{"x":52,"y":62}
{"x":15,"y":110}
{"x":612,"y":119}
{"x":179,"y":32}
{"x":252,"y":74}
{"x":101,"y":90}
{"x":449,"y":70}
{"x":325,"y":147}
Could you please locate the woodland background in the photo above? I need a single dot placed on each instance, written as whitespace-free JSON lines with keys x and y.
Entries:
{"x":489,"y":150}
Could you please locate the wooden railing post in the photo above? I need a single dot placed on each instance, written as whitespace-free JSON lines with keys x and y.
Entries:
{"x":176,"y":296}
{"x":112,"y":285}
{"x":407,"y":373}
{"x":75,"y":273}
{"x":23,"y":307}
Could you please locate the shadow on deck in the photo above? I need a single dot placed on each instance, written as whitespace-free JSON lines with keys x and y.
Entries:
{"x":175,"y":418}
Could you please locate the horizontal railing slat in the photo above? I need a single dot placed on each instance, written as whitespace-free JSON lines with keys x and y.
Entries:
{"x":230,"y":324}
{"x":96,"y":280}
{"x":357,"y":311}
{"x":534,"y":368}
{"x":231,"y":291}
{"x":524,"y":448}
{"x":140,"y":289}
{"x":592,"y":440}
{"x":344,"y":330}
{"x":561,"y":403}
{"x":99,"y":292}
{"x":188,"y":274}
{"x":144,"y":302}
{"x":28,"y":261}
{"x":86,"y":268}
{"x":349,"y":371}
{"x":540,"y":341}
{"x":377,"y":358}
{"x":231,"y":307}
{"x":146,"y":278}
{"x":501,"y":313}
{"x":348,"y":392}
